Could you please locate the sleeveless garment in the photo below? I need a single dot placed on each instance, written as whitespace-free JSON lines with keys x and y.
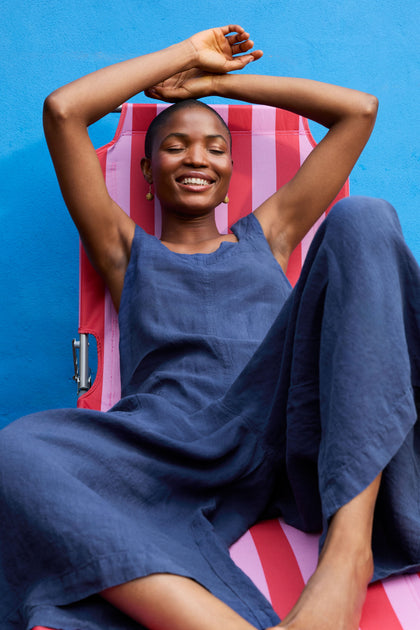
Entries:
{"x":242,"y":399}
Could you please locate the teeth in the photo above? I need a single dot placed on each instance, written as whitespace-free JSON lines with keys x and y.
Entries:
{"x":197,"y":181}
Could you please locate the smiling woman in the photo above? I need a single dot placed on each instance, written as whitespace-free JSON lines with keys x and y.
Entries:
{"x":241,"y":398}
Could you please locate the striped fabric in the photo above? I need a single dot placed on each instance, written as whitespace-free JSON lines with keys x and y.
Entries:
{"x":268,"y":147}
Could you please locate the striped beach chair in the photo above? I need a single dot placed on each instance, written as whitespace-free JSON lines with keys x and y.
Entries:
{"x":269,"y":145}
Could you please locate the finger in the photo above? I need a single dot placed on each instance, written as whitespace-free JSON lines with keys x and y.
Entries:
{"x":243,"y":47}
{"x":240,"y":62}
{"x":257,"y":54}
{"x":232,"y":28}
{"x":152,"y":93}
{"x":166,"y":98}
{"x":237,"y":38}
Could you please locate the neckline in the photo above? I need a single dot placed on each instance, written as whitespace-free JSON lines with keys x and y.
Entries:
{"x":225,"y":248}
{"x":235,"y":230}
{"x":221,"y":244}
{"x":206,"y":258}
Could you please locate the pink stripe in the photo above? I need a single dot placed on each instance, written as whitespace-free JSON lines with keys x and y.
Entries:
{"x":221,"y":211}
{"x":221,"y":217}
{"x":306,"y":140}
{"x":404,"y":594}
{"x":128,"y":120}
{"x":264,"y":174}
{"x":306,"y":144}
{"x":111,"y":388}
{"x":117,"y":179}
{"x":158,"y":212}
{"x":223,"y":111}
{"x":305,"y":548}
{"x":245,"y":555}
{"x":119,"y":189}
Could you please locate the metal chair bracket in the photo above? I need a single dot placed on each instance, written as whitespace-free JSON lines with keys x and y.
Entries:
{"x":82,"y":374}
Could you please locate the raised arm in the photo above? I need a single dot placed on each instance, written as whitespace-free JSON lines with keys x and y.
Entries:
{"x":348,"y":114}
{"x":106,"y":231}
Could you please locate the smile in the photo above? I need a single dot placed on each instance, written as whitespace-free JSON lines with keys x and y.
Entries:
{"x":195,"y":181}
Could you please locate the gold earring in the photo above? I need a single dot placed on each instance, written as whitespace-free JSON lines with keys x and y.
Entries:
{"x":226,"y":199}
{"x":149,"y":195}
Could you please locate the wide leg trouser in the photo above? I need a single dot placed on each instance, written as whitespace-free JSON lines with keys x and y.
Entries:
{"x":338,"y":379}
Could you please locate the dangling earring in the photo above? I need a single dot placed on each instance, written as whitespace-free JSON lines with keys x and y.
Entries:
{"x":149,"y":195}
{"x":226,"y":199}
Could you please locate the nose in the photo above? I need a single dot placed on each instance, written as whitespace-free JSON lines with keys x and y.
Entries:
{"x":196,"y":155}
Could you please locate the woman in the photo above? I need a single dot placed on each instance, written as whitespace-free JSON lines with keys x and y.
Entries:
{"x":126,"y":516}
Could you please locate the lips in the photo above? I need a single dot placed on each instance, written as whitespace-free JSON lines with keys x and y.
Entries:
{"x":195,"y":181}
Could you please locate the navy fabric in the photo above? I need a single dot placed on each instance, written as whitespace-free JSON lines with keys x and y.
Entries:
{"x":241,"y":400}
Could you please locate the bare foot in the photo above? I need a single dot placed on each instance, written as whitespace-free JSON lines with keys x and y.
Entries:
{"x":333,"y":597}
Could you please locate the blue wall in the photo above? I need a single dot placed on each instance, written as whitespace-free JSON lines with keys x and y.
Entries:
{"x":370,"y":45}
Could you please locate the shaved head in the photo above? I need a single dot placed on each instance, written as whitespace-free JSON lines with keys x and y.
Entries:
{"x":166,"y":114}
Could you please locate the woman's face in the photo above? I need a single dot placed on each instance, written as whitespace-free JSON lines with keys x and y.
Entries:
{"x":191,"y":162}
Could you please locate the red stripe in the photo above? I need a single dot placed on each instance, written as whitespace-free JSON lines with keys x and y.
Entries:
{"x":143,"y":116}
{"x":284,"y":579}
{"x":287,"y":146}
{"x":141,"y":211}
{"x":92,"y":299}
{"x":240,"y":193}
{"x":91,"y":310}
{"x":378,"y":613}
{"x":294,"y":265}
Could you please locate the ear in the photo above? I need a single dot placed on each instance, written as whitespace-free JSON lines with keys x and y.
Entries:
{"x":146,"y":167}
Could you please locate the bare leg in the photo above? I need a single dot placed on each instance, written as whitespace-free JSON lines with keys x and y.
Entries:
{"x":170,"y":602}
{"x":333,"y":597}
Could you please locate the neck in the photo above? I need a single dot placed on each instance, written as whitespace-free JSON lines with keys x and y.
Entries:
{"x":188,"y":230}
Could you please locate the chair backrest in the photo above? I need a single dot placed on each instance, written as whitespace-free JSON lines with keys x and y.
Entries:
{"x":268,"y":146}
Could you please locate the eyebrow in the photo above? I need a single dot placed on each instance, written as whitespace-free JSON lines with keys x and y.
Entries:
{"x":185,"y":136}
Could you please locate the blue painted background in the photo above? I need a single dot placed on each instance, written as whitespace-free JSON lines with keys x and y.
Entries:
{"x":369,"y":45}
